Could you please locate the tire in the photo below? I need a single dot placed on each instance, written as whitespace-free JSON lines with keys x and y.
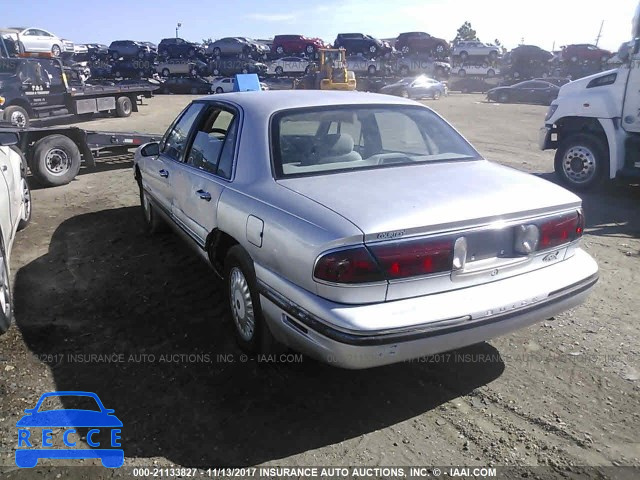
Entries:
{"x":55,"y":50}
{"x":503,"y":97}
{"x":117,"y":74}
{"x":245,"y":70}
{"x":464,"y":90}
{"x":581,"y":162}
{"x":153,"y":223}
{"x":310,"y":49}
{"x":372,"y":70}
{"x":219,"y":90}
{"x":464,"y":56}
{"x":165,"y":72}
{"x":251,"y":330}
{"x":6,"y":302}
{"x":462,"y":72}
{"x":307,"y":69}
{"x":405,"y":49}
{"x":56,"y":160}
{"x":280,"y":50}
{"x":191,"y":52}
{"x":216,"y":51}
{"x":216,"y":72}
{"x":373,"y":49}
{"x":404,"y":93}
{"x":279,"y":70}
{"x":440,"y":50}
{"x":124,"y":107}
{"x":491,"y":73}
{"x":26,"y":200}
{"x":194,"y":91}
{"x":574,"y":59}
{"x":115,"y":56}
{"x":493,"y":56}
{"x":17,"y":116}
{"x":436,"y":95}
{"x":141,"y":54}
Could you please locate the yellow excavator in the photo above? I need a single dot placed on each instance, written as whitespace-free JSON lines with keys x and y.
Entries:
{"x":329,"y":73}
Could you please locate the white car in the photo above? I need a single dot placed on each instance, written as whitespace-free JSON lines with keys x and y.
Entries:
{"x":360,"y":64}
{"x":484,"y":70}
{"x":289,"y":65}
{"x":223,"y":85}
{"x":15,"y":214}
{"x":475,"y":49}
{"x":37,"y":40}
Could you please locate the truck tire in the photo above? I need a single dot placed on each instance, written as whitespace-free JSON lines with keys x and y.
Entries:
{"x":123,"y":107}
{"x":582,"y":162}
{"x":56,"y":160}
{"x":17,"y":116}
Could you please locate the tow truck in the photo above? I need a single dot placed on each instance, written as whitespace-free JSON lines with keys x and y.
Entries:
{"x":594,"y":124}
{"x":37,"y":86}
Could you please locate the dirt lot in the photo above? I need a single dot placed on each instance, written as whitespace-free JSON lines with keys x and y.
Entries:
{"x":87,"y":280}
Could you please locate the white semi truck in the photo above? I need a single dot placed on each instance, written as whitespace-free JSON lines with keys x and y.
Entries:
{"x":594,"y":124}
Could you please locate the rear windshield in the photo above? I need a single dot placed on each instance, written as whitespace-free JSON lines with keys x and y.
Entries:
{"x":323,"y":140}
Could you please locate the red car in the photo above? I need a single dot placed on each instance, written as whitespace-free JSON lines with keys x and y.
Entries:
{"x":421,"y":42}
{"x":288,"y":44}
{"x":584,"y":52}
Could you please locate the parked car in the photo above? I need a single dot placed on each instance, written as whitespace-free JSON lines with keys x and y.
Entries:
{"x":468,"y":49}
{"x":68,"y":47}
{"x":421,"y":42}
{"x":80,"y":51}
{"x":482,"y":70}
{"x":470,"y":85}
{"x":524,"y":54}
{"x":152,"y":46}
{"x":128,"y":49}
{"x":37,"y":40}
{"x":366,"y":281}
{"x":355,"y":43}
{"x":178,"y":47}
{"x":97,"y":51}
{"x":531,"y":91}
{"x":288,"y":65}
{"x":101,"y":70}
{"x":132,"y":69}
{"x":421,"y":64}
{"x":558,"y":81}
{"x":371,"y":66}
{"x":416,"y":87}
{"x":584,"y":52}
{"x":15,"y":214}
{"x":223,"y":85}
{"x":192,"y":85}
{"x":233,"y":66}
{"x":275,"y":83}
{"x":235,"y":46}
{"x":291,"y":44}
{"x":191,"y":67}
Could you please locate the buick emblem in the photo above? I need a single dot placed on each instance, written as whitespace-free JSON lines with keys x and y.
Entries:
{"x":494,"y":272}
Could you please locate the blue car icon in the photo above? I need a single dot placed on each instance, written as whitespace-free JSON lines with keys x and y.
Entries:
{"x":69,"y":419}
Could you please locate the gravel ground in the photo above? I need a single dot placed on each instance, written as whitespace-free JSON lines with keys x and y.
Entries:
{"x":89,"y":281}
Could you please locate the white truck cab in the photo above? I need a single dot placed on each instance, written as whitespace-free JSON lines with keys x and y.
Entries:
{"x":594,"y":124}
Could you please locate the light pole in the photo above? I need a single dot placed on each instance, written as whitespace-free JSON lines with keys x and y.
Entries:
{"x":177,"y":27}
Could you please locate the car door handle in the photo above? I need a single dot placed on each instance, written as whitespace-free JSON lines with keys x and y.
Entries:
{"x":204,"y":195}
{"x":164,"y":173}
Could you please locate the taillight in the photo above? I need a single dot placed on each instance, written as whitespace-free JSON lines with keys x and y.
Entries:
{"x":414,"y":257}
{"x":353,"y":265}
{"x":561,"y":230}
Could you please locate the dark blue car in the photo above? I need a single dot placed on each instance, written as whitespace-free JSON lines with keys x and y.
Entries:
{"x":28,"y":456}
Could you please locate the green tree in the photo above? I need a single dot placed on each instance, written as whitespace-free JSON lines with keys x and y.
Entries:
{"x":207,"y":41}
{"x":466,"y":33}
{"x":499,"y":44}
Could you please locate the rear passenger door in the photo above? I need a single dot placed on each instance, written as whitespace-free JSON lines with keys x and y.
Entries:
{"x":205,"y":172}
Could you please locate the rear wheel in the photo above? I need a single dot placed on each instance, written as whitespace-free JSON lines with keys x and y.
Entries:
{"x":219,"y":90}
{"x":491,"y":73}
{"x":252,"y":332}
{"x":56,"y":160}
{"x":581,"y":162}
{"x":55,"y":50}
{"x":123,"y":107}
{"x":464,"y":56}
{"x":310,"y":49}
{"x":165,"y":72}
{"x":503,"y":97}
{"x":279,"y":70}
{"x":371,"y":70}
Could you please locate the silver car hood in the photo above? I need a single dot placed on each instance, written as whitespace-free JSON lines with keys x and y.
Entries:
{"x":430,"y":198}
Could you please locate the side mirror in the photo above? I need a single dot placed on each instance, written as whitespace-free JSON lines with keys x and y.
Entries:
{"x":151,"y":149}
{"x":8,"y":139}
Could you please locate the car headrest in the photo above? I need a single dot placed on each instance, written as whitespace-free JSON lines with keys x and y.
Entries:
{"x":337,"y":144}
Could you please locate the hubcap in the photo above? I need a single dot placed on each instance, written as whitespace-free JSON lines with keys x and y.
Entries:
{"x":18,"y":119}
{"x":5,"y":298}
{"x":57,"y":161}
{"x":579,"y":164}
{"x":241,"y":304}
{"x":26,"y":200}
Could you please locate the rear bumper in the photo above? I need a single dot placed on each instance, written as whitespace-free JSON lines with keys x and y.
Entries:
{"x":407,"y":329}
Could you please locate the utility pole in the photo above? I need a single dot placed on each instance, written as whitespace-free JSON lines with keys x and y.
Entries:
{"x":599,"y":33}
{"x":177,"y":27}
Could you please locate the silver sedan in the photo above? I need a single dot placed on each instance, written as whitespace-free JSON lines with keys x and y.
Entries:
{"x":361,"y":229}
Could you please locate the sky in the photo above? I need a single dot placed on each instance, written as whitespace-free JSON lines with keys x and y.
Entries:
{"x":539,"y":22}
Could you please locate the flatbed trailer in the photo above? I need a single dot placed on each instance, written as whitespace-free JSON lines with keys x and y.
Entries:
{"x":54,"y":154}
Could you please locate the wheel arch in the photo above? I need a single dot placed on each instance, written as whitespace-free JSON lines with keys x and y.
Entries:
{"x":217,"y":246}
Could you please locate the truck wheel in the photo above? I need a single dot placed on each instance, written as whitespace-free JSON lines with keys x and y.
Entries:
{"x":582,"y":162}
{"x":123,"y":107}
{"x":251,"y":330}
{"x":17,"y":116}
{"x":26,"y":201}
{"x":6,"y":303}
{"x":56,"y":160}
